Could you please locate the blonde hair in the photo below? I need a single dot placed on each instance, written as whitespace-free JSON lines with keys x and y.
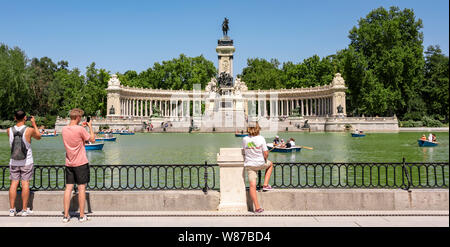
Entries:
{"x":253,"y":128}
{"x":76,"y":112}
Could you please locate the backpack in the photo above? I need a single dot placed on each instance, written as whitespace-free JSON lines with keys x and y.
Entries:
{"x":18,"y":149}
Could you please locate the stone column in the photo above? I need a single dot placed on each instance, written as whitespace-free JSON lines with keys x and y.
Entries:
{"x":301,"y":106}
{"x":146,"y":109}
{"x":233,"y":196}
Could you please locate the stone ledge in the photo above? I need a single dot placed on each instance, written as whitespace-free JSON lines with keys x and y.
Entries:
{"x":285,"y":200}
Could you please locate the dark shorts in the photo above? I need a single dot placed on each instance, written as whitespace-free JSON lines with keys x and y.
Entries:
{"x":78,"y":175}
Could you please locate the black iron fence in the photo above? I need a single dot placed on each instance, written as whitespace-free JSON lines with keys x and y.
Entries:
{"x":126,"y":177}
{"x":359,"y":175}
{"x":285,"y":175}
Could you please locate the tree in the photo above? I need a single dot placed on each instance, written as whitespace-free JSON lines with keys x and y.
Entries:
{"x":388,"y":44}
{"x":435,"y":88}
{"x":42,"y":74}
{"x":262,"y":74}
{"x":15,"y":80}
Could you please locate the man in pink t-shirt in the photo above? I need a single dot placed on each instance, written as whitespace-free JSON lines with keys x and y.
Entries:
{"x":77,"y":165}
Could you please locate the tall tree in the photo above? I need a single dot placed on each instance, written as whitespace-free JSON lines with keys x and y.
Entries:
{"x":42,"y":74}
{"x":15,"y":80}
{"x":391,"y":43}
{"x":262,"y":74}
{"x":435,"y":89}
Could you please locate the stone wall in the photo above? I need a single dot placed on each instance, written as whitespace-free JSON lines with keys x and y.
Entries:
{"x":276,"y":200}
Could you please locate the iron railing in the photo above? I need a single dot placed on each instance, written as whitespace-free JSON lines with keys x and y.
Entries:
{"x":359,"y":175}
{"x":285,"y":175}
{"x":126,"y":177}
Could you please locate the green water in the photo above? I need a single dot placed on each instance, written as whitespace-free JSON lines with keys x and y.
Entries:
{"x":180,"y":148}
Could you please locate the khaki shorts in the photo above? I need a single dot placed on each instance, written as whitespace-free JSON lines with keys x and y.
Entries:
{"x":253,"y":170}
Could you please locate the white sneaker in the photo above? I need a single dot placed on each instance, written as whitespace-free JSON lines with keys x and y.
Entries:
{"x":26,"y":213}
{"x":65,"y":219}
{"x":12,"y":212}
{"x":84,"y":219}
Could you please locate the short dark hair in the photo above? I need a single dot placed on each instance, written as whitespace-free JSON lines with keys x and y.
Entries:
{"x":19,"y":114}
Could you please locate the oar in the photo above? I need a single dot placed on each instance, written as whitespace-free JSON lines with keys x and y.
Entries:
{"x":307,"y":147}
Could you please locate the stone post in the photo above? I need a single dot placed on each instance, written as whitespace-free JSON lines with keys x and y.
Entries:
{"x":233,"y":196}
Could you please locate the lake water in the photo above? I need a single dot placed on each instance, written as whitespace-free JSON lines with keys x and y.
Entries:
{"x":184,"y":148}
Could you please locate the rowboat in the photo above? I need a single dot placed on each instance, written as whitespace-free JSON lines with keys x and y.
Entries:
{"x":283,"y":150}
{"x":94,"y":146}
{"x":126,"y":133}
{"x":101,"y":132}
{"x":49,"y":135}
{"x":423,"y":143}
{"x":358,"y":135}
{"x":240,"y":135}
{"x":106,"y":139}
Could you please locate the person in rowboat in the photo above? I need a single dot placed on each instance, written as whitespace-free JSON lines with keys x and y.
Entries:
{"x":290,"y":143}
{"x":423,"y":138}
{"x":276,"y":141}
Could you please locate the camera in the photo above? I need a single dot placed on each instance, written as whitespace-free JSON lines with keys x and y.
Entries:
{"x":29,"y":118}
{"x":88,"y":119}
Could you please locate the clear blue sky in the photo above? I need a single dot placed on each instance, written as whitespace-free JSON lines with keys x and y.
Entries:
{"x":133,"y":35}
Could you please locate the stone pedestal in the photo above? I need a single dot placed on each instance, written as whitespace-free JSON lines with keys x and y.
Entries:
{"x":232,"y":184}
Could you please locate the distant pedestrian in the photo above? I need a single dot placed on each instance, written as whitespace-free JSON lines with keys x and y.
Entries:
{"x":77,"y":165}
{"x":21,"y":162}
{"x":256,"y":154}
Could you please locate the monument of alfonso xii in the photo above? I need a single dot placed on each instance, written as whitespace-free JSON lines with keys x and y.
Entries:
{"x":226,"y":104}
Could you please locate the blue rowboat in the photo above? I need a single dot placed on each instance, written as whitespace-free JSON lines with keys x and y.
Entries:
{"x":240,"y":135}
{"x":127,"y":133}
{"x":283,"y":150}
{"x":116,"y":133}
{"x":49,"y":135}
{"x":101,"y":132}
{"x":94,"y":146}
{"x":110,"y":139}
{"x":358,"y":135}
{"x":423,"y":143}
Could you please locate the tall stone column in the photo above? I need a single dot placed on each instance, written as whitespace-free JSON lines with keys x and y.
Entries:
{"x":301,"y":106}
{"x":151,"y":107}
{"x":147,"y":105}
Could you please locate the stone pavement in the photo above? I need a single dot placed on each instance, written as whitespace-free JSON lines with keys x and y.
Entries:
{"x":229,"y":219}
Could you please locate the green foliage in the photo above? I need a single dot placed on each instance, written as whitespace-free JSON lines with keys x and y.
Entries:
{"x":387,"y":51}
{"x":435,"y":89}
{"x":410,"y":123}
{"x":430,"y":122}
{"x":15,"y":81}
{"x":179,"y":73}
{"x":6,"y":124}
{"x":262,"y":74}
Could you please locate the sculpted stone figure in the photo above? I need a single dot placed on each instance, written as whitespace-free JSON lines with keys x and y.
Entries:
{"x":239,"y":86}
{"x":212,"y":85}
{"x":225,"y":80}
{"x":338,"y":81}
{"x":225,"y":27}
